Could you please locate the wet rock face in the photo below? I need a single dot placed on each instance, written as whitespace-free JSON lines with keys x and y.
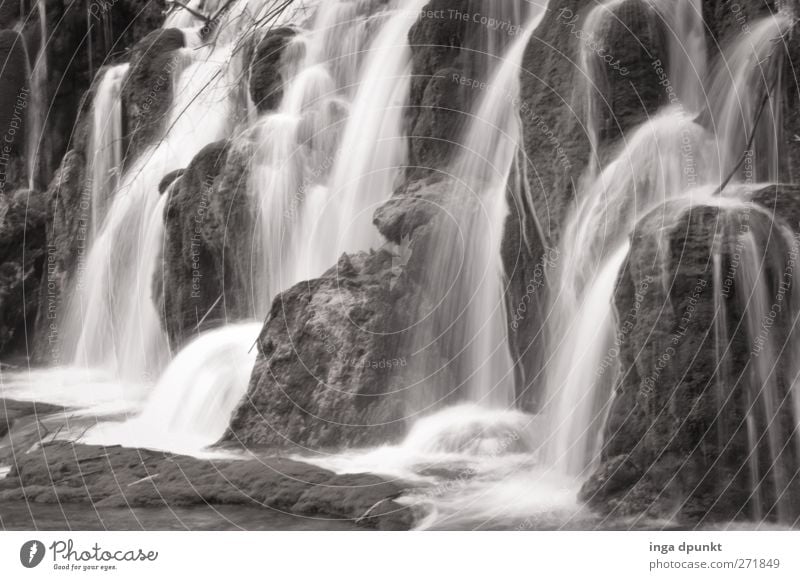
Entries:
{"x":557,"y":140}
{"x":631,"y":40}
{"x":61,"y":472}
{"x":9,"y":14}
{"x":14,"y":100}
{"x":441,"y":118}
{"x":206,"y":255}
{"x":404,"y":215}
{"x":326,"y":365}
{"x":439,"y":101}
{"x":676,"y":440}
{"x":22,"y":258}
{"x":73,"y":62}
{"x":147,"y":93}
{"x":67,"y":249}
{"x":266,"y":81}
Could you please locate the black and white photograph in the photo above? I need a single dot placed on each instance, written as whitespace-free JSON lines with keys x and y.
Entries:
{"x":488,"y":273}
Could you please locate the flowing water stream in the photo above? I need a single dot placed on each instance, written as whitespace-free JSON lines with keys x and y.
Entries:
{"x":335,"y":148}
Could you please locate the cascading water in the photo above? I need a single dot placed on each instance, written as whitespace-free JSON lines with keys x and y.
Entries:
{"x":761,"y":255}
{"x":465,"y":271}
{"x":332,"y":151}
{"x":112,"y":319}
{"x":686,"y":39}
{"x":489,"y":451}
{"x":373,"y":148}
{"x":593,"y":79}
{"x":328,"y":154}
{"x":106,"y":145}
{"x":668,"y":157}
{"x":739,"y":91}
{"x":37,"y":104}
{"x":652,"y":168}
{"x":291,"y":149}
{"x":192,"y":402}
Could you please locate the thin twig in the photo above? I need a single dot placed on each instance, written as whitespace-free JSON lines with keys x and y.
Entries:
{"x":750,"y":140}
{"x":200,"y":322}
{"x":191,"y":11}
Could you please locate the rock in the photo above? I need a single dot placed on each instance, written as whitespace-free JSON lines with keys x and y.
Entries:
{"x":635,"y":33}
{"x":412,"y":207}
{"x":74,"y":59}
{"x":436,"y":47}
{"x":67,"y":252}
{"x":209,"y":222}
{"x":9,"y":14}
{"x":22,"y":256}
{"x":147,"y":94}
{"x":14,"y":101}
{"x":266,"y":80}
{"x":169,"y":179}
{"x":674,"y":444}
{"x":12,"y":411}
{"x":319,"y":380}
{"x":125,"y":477}
{"x":443,"y":113}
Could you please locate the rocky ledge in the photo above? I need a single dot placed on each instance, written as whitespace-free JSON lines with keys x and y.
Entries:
{"x":62,"y":472}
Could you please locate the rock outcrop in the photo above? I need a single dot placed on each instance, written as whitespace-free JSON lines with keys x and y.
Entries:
{"x":103,"y":477}
{"x":266,"y":80}
{"x":676,"y":443}
{"x":147,"y":93}
{"x":14,"y":101}
{"x":22,"y":263}
{"x":207,"y":246}
{"x":326,"y":362}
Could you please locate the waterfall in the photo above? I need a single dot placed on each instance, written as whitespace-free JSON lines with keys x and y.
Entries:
{"x":670,"y":156}
{"x":112,"y":321}
{"x":762,"y":256}
{"x":105,"y":146}
{"x":332,"y":152}
{"x":192,"y":402}
{"x":334,"y":147}
{"x":686,"y":39}
{"x":593,"y":77}
{"x":652,"y":167}
{"x":749,"y":73}
{"x":373,"y":149}
{"x":36,"y":75}
{"x":465,"y":274}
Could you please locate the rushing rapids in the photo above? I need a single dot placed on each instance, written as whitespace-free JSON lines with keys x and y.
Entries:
{"x":330,"y":143}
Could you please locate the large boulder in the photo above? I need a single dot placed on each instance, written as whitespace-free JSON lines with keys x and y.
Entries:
{"x":678,"y":439}
{"x":208,"y":227}
{"x":326,"y":362}
{"x":438,"y":101}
